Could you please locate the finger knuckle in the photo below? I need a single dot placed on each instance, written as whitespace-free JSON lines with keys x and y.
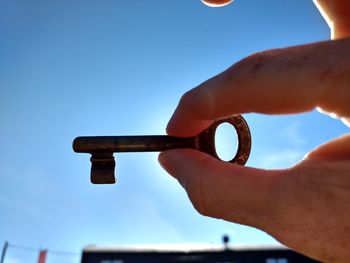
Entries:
{"x":250,"y":65}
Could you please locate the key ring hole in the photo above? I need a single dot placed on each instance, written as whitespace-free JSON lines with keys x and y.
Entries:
{"x":226,"y":141}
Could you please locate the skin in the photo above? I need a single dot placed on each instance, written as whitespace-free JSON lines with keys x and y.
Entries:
{"x":217,"y":2}
{"x":306,"y":207}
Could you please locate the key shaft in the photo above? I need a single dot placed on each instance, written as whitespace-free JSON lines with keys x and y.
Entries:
{"x":150,"y":143}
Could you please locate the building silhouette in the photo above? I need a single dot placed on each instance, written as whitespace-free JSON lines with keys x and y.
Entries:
{"x":192,"y":253}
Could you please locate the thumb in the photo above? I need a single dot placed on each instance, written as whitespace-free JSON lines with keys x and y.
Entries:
{"x":223,"y":190}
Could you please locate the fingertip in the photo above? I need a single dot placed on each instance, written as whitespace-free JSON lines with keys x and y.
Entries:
{"x":178,"y":123}
{"x":192,"y":114}
{"x":177,"y":162}
{"x":186,"y":125}
{"x":216,"y":3}
{"x":166,"y":163}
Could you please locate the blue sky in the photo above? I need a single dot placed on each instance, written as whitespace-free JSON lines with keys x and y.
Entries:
{"x":71,"y":68}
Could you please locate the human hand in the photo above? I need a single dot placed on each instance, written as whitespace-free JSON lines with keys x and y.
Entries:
{"x":307,"y":206}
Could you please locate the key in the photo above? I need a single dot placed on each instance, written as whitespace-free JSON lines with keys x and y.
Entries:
{"x":102,"y":148}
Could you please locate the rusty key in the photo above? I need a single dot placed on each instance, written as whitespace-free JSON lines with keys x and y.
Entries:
{"x":102,"y":148}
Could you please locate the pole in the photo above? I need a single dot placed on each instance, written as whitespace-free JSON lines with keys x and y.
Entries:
{"x":4,"y":251}
{"x":42,"y":256}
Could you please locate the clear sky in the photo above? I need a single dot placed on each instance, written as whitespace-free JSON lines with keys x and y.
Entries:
{"x":71,"y":68}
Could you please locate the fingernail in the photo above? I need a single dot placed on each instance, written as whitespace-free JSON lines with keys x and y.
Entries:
{"x":166,"y":164}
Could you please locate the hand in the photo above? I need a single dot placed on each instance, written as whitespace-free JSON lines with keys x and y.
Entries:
{"x":307,"y":206}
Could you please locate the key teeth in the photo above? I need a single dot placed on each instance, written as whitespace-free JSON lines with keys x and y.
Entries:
{"x":102,"y":168}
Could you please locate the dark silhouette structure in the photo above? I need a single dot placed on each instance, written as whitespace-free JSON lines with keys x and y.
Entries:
{"x":198,"y":254}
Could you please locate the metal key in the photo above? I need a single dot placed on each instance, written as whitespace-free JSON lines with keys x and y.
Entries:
{"x":102,"y":148}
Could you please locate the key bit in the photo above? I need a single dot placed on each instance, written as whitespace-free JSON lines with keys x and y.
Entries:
{"x":102,"y":148}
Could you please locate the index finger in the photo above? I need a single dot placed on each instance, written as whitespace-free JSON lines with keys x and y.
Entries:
{"x":280,"y":81}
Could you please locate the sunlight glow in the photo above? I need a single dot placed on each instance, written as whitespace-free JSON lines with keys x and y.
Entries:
{"x":326,"y":17}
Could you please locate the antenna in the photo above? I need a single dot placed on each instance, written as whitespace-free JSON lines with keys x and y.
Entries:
{"x":225,"y":240}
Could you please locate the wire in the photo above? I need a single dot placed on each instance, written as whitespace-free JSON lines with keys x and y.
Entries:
{"x":49,"y":250}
